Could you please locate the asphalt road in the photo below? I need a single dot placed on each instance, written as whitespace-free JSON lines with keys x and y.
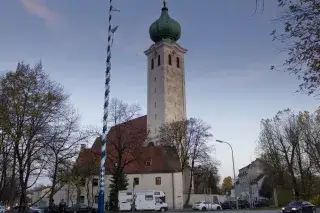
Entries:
{"x":245,"y":211}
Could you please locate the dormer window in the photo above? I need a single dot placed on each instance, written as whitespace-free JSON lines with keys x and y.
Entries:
{"x":159,"y":62}
{"x":178,"y":62}
{"x":152,"y":64}
{"x":170,"y":60}
{"x":148,"y":162}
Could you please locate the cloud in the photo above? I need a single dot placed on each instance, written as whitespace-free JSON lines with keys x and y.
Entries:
{"x":40,"y":9}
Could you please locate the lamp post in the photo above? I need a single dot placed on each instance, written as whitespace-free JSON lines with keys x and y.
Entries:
{"x":234,"y":171}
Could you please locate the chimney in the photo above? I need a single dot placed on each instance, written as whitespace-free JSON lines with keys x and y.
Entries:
{"x":82,"y":147}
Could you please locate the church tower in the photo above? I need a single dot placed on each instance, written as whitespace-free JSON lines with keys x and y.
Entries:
{"x":166,"y":76}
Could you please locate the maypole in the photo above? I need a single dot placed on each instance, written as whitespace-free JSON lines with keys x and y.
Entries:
{"x":111,"y":32}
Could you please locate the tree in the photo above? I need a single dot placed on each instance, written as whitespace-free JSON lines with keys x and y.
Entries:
{"x":301,"y":35}
{"x":117,"y":183}
{"x":29,"y":104}
{"x":206,"y":178}
{"x":266,"y":189}
{"x":288,"y":146}
{"x":64,"y":141}
{"x":190,"y":137}
{"x":124,"y":145}
{"x":279,"y":139}
{"x":226,"y":184}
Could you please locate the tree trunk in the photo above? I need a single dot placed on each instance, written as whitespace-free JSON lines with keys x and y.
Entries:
{"x":13,"y":180}
{"x":190,"y":184}
{"x":53,"y":187}
{"x":275,"y":197}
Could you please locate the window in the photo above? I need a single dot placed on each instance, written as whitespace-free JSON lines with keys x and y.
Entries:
{"x":83,"y":182}
{"x":149,"y":197}
{"x":178,"y":62}
{"x":129,"y":193}
{"x":136,"y":181}
{"x":81,"y":199}
{"x":158,"y":180}
{"x":159,"y":62}
{"x":155,"y":104}
{"x":155,"y":117}
{"x":152,"y":64}
{"x":155,"y":78}
{"x":95,"y":182}
{"x":156,"y":193}
{"x":148,"y":163}
{"x":170,"y":60}
{"x":96,"y":198}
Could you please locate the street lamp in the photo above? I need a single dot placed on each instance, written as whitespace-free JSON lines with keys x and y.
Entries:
{"x":234,"y":171}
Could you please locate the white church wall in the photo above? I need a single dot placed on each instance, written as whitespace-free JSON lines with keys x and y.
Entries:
{"x":171,"y":185}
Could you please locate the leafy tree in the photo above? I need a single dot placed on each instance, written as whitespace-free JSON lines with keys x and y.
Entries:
{"x":266,"y":188}
{"x":226,"y":184}
{"x":302,"y":39}
{"x":118,"y":182}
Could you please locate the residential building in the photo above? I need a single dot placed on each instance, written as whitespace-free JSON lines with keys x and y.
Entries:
{"x":249,"y":178}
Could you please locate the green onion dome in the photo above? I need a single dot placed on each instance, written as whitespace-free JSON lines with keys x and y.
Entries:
{"x":165,"y":27}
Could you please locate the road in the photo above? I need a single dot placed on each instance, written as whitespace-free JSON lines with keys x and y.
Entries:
{"x":245,"y":211}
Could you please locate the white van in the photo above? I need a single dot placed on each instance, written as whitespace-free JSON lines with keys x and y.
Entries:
{"x":144,"y":200}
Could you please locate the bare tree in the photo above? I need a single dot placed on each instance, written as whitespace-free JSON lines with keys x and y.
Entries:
{"x":64,"y":141}
{"x":301,"y":36}
{"x":190,"y":137}
{"x":125,"y":140}
{"x":311,"y":136}
{"x":206,"y":177}
{"x":30,"y":104}
{"x":279,"y":140}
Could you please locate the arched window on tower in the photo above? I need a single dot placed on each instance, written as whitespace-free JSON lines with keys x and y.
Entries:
{"x":170,"y":60}
{"x":159,"y":60}
{"x":178,"y":62}
{"x":152,"y":64}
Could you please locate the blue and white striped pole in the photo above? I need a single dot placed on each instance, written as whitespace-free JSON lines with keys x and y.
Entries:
{"x":111,"y":31}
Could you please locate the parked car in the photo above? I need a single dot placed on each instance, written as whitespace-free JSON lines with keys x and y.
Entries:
{"x":261,"y":203}
{"x":30,"y":210}
{"x":243,"y":204}
{"x":80,"y":208}
{"x":204,"y":206}
{"x":228,"y":204}
{"x":299,"y":207}
{"x":2,"y":209}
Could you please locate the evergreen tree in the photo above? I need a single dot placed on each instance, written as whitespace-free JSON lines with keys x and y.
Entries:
{"x":119,"y":181}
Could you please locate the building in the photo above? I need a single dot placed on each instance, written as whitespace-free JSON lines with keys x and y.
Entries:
{"x":151,"y":166}
{"x":249,"y":180}
{"x":157,"y":167}
{"x":166,"y":77}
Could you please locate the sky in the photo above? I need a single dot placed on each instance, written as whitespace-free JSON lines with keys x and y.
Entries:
{"x":229,"y":83}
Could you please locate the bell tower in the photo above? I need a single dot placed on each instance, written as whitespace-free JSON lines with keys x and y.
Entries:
{"x":166,"y":75}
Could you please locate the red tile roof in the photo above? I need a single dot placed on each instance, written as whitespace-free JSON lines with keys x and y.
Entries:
{"x":137,"y":159}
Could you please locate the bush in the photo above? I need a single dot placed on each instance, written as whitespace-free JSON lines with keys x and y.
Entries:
{"x":315,"y":200}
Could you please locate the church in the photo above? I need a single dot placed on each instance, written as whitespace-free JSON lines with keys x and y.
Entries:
{"x":159,"y":167}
